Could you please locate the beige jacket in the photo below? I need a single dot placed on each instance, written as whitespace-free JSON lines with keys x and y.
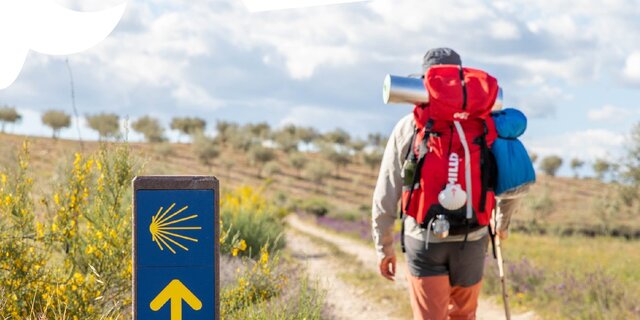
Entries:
{"x":388,"y":192}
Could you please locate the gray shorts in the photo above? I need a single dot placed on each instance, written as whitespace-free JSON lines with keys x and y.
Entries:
{"x":464,"y":266}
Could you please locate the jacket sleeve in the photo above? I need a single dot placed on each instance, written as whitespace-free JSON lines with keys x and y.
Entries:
{"x":388,"y":188}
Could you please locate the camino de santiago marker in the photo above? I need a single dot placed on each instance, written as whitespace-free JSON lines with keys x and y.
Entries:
{"x":176,"y":248}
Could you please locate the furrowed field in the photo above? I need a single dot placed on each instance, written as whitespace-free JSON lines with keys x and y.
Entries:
{"x":65,"y":226}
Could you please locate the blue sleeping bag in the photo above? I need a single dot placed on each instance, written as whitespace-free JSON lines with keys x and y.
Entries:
{"x":515,"y":169}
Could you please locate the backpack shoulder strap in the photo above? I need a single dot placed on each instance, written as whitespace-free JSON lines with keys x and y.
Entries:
{"x":411,"y":144}
{"x":485,"y":166}
{"x":464,"y":89}
{"x":420,"y":160}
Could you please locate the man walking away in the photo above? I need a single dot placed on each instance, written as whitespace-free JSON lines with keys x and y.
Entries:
{"x":442,"y":272}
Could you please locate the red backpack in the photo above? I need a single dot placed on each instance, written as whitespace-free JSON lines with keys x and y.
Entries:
{"x":460,"y":102}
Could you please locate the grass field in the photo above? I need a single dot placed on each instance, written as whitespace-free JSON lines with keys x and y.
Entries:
{"x":571,"y":277}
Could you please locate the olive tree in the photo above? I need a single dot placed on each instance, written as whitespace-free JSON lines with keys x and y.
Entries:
{"x":307,"y":134}
{"x":316,"y":172}
{"x":287,"y":138}
{"x":225,"y":131}
{"x":601,"y":167}
{"x":260,"y":131}
{"x":372,"y":159}
{"x":338,"y":136}
{"x":272,"y":169}
{"x":576,"y":164}
{"x":187,"y":125}
{"x":106,"y":124}
{"x":259,"y":155}
{"x":205,"y":149}
{"x":339,"y":158}
{"x":551,"y":164}
{"x":377,"y":140}
{"x":631,"y":172}
{"x":242,"y":140}
{"x":8,"y":115}
{"x":298,"y":161}
{"x":56,"y":120}
{"x":150,"y":128}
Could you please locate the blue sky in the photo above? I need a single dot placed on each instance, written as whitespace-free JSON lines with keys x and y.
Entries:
{"x":572,"y":66}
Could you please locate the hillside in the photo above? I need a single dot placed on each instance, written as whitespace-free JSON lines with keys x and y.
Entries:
{"x":555,"y":204}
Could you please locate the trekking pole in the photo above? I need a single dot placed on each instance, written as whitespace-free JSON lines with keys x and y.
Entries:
{"x":503,"y":280}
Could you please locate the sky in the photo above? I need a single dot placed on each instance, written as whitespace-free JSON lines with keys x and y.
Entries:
{"x":572,"y":66}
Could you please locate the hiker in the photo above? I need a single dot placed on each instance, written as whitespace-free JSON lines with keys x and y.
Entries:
{"x":442,"y":270}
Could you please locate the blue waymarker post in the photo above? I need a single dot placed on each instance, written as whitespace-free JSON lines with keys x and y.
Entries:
{"x":176,"y":248}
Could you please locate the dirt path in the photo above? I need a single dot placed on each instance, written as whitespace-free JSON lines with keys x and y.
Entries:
{"x":343,"y":297}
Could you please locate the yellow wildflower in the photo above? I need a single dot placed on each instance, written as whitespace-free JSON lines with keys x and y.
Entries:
{"x":264,"y":258}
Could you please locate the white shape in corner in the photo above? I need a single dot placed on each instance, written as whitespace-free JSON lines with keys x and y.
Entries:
{"x":46,"y":27}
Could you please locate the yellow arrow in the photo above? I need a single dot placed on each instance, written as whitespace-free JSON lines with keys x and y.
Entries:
{"x":176,"y":292}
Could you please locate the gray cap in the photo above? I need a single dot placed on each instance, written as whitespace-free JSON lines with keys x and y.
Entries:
{"x":440,"y":56}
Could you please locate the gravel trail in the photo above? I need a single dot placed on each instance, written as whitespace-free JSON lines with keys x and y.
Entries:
{"x":343,"y":298}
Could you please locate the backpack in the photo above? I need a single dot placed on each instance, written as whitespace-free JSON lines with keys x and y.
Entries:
{"x":451,"y":150}
{"x":515,"y":168}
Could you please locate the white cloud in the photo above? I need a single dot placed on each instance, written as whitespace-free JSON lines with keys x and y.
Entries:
{"x":561,"y":26}
{"x":302,"y":61}
{"x":541,"y":102}
{"x":504,"y":30}
{"x":177,"y":58}
{"x":571,"y":69}
{"x":610,"y":113}
{"x":585,"y":144}
{"x":324,"y":119}
{"x":192,"y":95}
{"x":632,"y":67}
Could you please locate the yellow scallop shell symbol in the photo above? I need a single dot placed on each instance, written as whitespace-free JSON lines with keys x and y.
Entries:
{"x":165,"y":234}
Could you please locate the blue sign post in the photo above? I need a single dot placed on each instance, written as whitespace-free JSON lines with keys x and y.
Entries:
{"x":175,"y":248}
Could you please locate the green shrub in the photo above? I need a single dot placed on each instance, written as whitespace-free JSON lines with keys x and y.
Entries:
{"x":269,"y":289}
{"x":316,"y":206}
{"x":541,"y":206}
{"x":257,"y":221}
{"x":258,"y":284}
{"x":272,"y":169}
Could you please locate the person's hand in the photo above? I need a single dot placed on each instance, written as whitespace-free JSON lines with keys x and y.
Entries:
{"x":388,"y":267}
{"x":503,"y":234}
